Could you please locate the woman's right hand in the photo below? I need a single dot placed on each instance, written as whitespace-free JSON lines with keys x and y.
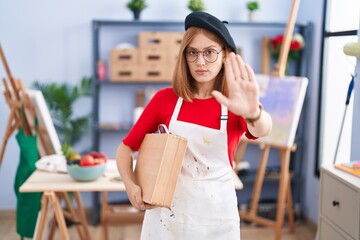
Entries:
{"x":124,"y":156}
{"x":135,"y":197}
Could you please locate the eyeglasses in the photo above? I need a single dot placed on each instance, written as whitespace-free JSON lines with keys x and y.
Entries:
{"x":210,"y":55}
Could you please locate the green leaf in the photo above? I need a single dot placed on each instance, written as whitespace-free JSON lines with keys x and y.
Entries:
{"x":60,"y":98}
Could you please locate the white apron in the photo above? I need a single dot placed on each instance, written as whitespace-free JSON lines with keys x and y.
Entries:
{"x":205,"y":202}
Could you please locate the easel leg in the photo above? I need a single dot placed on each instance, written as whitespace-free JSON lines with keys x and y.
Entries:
{"x":59,"y":216}
{"x":52,"y":228}
{"x":104,"y":210}
{"x":283,"y":189}
{"x":41,"y":220}
{"x":259,"y":181}
{"x":10,"y":128}
{"x":72,"y":213}
{"x":82,"y":215}
{"x":290,"y":208}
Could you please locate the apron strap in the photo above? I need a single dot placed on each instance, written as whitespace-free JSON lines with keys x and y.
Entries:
{"x":177,"y":109}
{"x":223,"y":118}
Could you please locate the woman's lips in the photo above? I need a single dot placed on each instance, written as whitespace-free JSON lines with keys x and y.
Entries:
{"x":201,"y":71}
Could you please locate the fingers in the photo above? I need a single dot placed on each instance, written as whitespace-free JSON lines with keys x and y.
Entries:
{"x":136,"y":199}
{"x":220,"y":98}
{"x":235,"y":67}
{"x":241,"y":66}
{"x":149,"y":206}
{"x":250,"y":73}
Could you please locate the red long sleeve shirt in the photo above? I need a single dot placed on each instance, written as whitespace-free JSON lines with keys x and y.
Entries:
{"x":204,"y":112}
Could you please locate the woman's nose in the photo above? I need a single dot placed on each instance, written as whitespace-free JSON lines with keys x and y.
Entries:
{"x":200,"y":59}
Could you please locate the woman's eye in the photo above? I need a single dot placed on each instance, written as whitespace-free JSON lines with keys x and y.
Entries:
{"x":190,"y":52}
{"x":209,"y":52}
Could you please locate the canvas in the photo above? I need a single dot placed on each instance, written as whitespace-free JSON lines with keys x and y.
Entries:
{"x":282,"y":98}
{"x":46,"y":125}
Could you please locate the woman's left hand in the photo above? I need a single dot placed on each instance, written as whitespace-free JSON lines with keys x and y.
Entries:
{"x":243,"y":99}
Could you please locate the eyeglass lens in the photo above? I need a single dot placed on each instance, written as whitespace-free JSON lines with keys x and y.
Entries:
{"x":209,"y":55}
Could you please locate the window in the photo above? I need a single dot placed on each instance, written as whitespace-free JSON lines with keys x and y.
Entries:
{"x":335,"y":78}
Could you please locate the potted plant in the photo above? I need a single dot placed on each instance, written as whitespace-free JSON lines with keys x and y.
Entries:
{"x":252,"y":6}
{"x":136,"y":6}
{"x":196,"y":5}
{"x":60,"y":98}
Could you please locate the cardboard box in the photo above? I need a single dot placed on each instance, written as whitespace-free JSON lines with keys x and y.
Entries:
{"x":175,"y":40}
{"x":158,"y":167}
{"x":154,"y":40}
{"x":155,"y":73}
{"x":124,"y":72}
{"x":124,"y":56}
{"x":153,"y":56}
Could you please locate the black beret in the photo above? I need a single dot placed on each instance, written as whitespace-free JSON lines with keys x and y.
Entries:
{"x":206,"y":21}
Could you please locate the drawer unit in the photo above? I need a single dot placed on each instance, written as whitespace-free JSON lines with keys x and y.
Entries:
{"x":153,"y":56}
{"x":124,"y":72}
{"x":155,"y":73}
{"x":339,"y":209}
{"x":340,"y":204}
{"x":124,"y":56}
{"x":329,"y":232}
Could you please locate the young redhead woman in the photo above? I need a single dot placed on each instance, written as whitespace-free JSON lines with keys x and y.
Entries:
{"x":213,"y":101}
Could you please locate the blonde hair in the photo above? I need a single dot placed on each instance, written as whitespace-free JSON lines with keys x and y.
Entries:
{"x":183,"y":83}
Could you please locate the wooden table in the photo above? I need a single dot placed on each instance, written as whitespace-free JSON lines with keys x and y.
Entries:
{"x":56,"y":186}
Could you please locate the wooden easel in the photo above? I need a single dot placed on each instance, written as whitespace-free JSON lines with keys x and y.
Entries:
{"x":17,"y":98}
{"x":284,"y":190}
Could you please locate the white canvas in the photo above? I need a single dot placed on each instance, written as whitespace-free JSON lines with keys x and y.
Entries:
{"x":282,"y":98}
{"x":45,"y":122}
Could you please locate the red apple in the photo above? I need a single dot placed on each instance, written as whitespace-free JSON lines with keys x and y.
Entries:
{"x":98,"y":155}
{"x":99,"y":161}
{"x":87,"y":160}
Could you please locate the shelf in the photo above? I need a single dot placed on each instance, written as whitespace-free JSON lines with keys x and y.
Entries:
{"x":107,"y":22}
{"x":108,"y":82}
{"x":111,"y":127}
{"x":103,"y":39}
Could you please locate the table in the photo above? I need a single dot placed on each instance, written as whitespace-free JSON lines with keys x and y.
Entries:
{"x":55,"y":186}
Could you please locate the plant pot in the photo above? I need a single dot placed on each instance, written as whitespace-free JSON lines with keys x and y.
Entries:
{"x":136,"y":14}
{"x":252,"y":16}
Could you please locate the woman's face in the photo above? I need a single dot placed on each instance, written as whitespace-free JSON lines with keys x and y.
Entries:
{"x":204,"y":58}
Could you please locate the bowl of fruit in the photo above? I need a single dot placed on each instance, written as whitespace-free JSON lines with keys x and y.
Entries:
{"x":88,"y":167}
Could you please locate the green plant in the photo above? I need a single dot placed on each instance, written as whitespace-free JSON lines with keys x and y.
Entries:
{"x":60,"y":98}
{"x":138,"y":5}
{"x":196,"y":5}
{"x":252,"y":5}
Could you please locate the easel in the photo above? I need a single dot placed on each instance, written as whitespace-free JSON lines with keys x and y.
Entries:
{"x":17,"y":98}
{"x":284,"y":190}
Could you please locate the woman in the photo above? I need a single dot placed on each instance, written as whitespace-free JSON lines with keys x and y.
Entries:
{"x":213,"y":101}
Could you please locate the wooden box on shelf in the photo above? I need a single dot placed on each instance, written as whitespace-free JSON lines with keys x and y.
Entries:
{"x":174,"y":46}
{"x":123,"y":56}
{"x":175,"y":39}
{"x":153,"y":40}
{"x":155,"y":73}
{"x":153,"y":56}
{"x":124,"y":72}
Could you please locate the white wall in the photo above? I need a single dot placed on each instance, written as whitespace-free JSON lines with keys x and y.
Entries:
{"x":51,"y":41}
{"x":355,"y":150}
